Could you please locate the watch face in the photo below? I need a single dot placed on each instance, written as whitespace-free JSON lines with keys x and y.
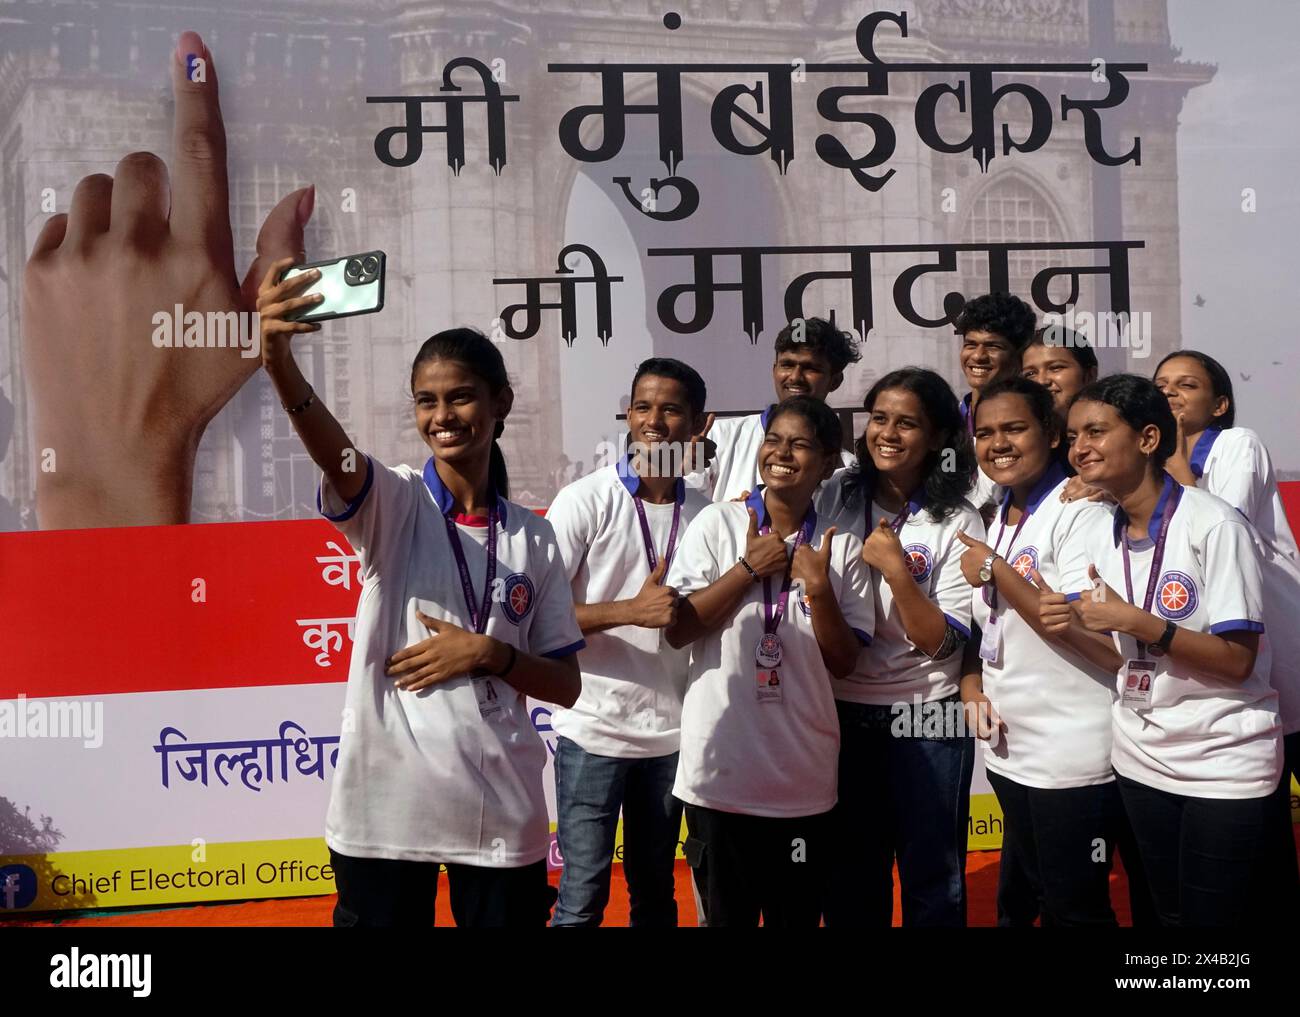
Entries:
{"x":986,"y":574}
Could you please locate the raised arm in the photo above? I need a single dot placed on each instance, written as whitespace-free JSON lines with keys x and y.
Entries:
{"x":322,"y":435}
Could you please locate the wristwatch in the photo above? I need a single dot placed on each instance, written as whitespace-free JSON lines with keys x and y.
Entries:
{"x":986,"y":570}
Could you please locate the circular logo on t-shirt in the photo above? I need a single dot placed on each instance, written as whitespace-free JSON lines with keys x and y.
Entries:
{"x":1176,"y":595}
{"x":1026,"y":560}
{"x":517,"y":597}
{"x":919,"y":561}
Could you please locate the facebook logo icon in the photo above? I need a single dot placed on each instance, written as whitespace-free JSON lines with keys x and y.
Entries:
{"x":17,"y":887}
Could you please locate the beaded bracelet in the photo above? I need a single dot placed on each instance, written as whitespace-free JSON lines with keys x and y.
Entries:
{"x":311,"y":398}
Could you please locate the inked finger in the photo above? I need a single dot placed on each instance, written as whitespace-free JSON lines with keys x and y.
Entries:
{"x":200,"y":202}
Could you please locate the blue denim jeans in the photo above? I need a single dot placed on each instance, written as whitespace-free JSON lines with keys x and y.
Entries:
{"x":904,"y":798}
{"x":589,"y":791}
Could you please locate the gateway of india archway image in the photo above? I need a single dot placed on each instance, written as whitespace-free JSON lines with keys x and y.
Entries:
{"x":82,"y":86}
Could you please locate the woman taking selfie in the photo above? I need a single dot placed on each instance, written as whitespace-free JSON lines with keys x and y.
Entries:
{"x":776,"y":604}
{"x":465,"y":609}
{"x":1197,"y":745}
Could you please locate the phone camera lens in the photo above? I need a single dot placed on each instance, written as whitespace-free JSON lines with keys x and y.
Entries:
{"x":370,"y":264}
{"x":353,"y":268}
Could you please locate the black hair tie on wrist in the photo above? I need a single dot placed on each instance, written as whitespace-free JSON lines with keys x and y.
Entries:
{"x":510,"y":666}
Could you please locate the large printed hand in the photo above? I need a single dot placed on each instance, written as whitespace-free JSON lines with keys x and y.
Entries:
{"x":117,"y":419}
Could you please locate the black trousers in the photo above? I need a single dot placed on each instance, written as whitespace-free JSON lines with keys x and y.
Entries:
{"x":1061,"y":842}
{"x":385,"y":893}
{"x":1022,"y":898}
{"x":759,"y":866}
{"x":1287,"y":875}
{"x":1210,"y":862}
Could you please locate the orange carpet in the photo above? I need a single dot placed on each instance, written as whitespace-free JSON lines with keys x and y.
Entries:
{"x":981,"y":873}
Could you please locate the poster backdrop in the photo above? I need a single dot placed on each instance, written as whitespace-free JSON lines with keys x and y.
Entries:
{"x":590,"y":184}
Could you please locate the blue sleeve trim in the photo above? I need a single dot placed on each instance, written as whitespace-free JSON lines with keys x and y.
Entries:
{"x":1070,"y":598}
{"x":1236,"y":625}
{"x":863,"y":638}
{"x":355,"y":503}
{"x":564,"y":651}
{"x":955,"y":624}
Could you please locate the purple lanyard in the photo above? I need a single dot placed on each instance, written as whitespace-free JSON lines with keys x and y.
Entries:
{"x":1157,"y":560}
{"x":896,"y":525}
{"x":991,"y":595}
{"x":478,"y":619}
{"x":651,"y":557}
{"x":772,"y":620}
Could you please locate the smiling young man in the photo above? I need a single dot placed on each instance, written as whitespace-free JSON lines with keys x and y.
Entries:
{"x":811,"y":356}
{"x":617,"y":531}
{"x":994,"y":331}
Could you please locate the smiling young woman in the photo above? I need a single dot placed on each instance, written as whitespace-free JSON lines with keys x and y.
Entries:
{"x":465,"y":609}
{"x":1048,"y":743}
{"x":1232,"y":463}
{"x":769,"y":628}
{"x":905,"y":798}
{"x":1063,"y":362}
{"x":1196,"y":737}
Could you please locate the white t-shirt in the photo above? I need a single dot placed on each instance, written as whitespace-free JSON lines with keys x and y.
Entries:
{"x":424,"y":776}
{"x":776,"y":759}
{"x":632,"y":680}
{"x":1235,"y":466}
{"x":1203,"y":736}
{"x":984,"y":492}
{"x":734,"y":470}
{"x":1055,"y":704}
{"x":892,"y":670}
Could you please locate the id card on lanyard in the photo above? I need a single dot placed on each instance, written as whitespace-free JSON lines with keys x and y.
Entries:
{"x":768,"y":653}
{"x":1140,"y":674}
{"x":991,"y":636}
{"x":490,"y":701}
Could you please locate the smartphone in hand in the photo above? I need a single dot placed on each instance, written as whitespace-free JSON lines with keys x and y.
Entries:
{"x":352,"y":284}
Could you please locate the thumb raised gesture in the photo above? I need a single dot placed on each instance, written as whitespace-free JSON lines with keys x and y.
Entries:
{"x":824,"y":551}
{"x":1040,"y":582}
